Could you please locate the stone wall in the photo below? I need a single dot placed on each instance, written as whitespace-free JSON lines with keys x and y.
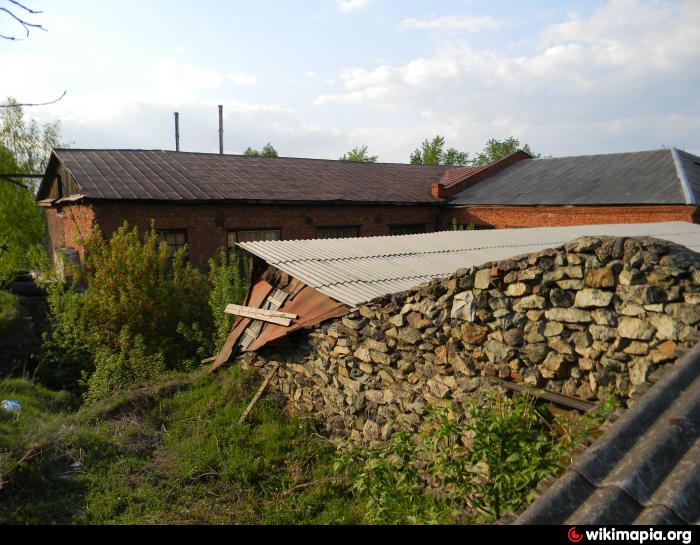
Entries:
{"x":593,"y":316}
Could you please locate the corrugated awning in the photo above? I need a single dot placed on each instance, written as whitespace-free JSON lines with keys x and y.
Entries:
{"x":357,"y":270}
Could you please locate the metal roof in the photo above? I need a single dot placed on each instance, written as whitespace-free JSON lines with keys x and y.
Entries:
{"x":665,"y":176}
{"x":357,"y":270}
{"x":183,"y":176}
{"x":644,"y":470}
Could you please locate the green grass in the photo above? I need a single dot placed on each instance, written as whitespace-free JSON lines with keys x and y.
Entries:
{"x":168,"y":453}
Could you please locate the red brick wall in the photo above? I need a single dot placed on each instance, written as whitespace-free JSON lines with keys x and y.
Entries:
{"x":207,"y":224}
{"x":66,"y":225}
{"x":503,"y":217}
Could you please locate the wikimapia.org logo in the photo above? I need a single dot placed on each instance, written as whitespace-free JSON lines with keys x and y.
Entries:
{"x":639,"y":536}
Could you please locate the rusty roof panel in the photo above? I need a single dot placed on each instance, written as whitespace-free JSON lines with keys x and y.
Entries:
{"x":181,"y":176}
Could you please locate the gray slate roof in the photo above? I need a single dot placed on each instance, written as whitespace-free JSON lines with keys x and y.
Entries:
{"x":644,"y":470}
{"x":356,"y":270}
{"x":666,"y":176}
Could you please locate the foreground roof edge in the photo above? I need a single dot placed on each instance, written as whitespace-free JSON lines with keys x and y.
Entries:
{"x":683,"y":177}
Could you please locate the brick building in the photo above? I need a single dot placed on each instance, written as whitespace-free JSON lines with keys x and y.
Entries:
{"x":208,"y":200}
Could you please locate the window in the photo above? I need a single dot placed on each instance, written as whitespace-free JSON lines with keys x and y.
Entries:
{"x":337,"y":232}
{"x":175,"y":238}
{"x":407,"y":229}
{"x":251,"y":235}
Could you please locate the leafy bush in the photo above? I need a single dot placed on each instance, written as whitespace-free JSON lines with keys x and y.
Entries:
{"x":135,"y":297}
{"x":229,"y":277}
{"x":131,"y":365}
{"x":473,"y":468}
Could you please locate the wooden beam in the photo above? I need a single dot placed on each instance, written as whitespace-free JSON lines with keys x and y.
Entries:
{"x":268,"y":378}
{"x":264,"y":315}
{"x":555,"y":397}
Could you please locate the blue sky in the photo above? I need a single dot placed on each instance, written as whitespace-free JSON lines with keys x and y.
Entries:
{"x":317,"y":78}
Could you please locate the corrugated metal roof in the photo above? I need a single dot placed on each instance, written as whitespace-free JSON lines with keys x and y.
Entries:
{"x":356,"y":270}
{"x":644,"y":470}
{"x":645,"y":177}
{"x":184,"y":176}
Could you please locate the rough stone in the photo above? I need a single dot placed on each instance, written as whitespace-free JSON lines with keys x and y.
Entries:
{"x":569,"y":315}
{"x":362,"y":354}
{"x":535,"y":352}
{"x":560,"y":346}
{"x":666,"y":327}
{"x":561,"y":298}
{"x":602,"y":333}
{"x":473,"y":333}
{"x":688,"y":314}
{"x":604,"y":316}
{"x":636,"y":348}
{"x":513,"y":337}
{"x":599,"y":278}
{"x":529,"y":302}
{"x":482,"y":279}
{"x":589,"y":298}
{"x":463,"y":306}
{"x":408,"y":335}
{"x":638,"y":371}
{"x":396,"y":320}
{"x":516,"y":290}
{"x":353,"y":323}
{"x":665,"y":351}
{"x":570,"y":284}
{"x":629,"y":277}
{"x":555,"y":366}
{"x":634,"y":328}
{"x":371,"y":430}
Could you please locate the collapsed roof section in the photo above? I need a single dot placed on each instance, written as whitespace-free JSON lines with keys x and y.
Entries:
{"x":316,"y":280}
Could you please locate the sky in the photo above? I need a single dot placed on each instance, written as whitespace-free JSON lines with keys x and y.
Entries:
{"x":317,"y":78}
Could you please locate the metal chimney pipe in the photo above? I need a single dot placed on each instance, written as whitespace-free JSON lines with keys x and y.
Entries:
{"x":221,"y":129}
{"x":177,"y":131}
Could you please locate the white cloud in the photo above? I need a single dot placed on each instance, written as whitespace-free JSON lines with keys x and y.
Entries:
{"x":604,"y":74}
{"x":351,"y":5}
{"x":466,"y":23}
{"x":242,"y":79}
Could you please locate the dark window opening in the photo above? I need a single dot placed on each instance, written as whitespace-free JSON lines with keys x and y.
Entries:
{"x":338,"y":232}
{"x":175,"y":239}
{"x":412,"y":229}
{"x":251,"y":235}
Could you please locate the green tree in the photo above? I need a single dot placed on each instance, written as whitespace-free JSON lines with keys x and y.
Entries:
{"x":359,"y":155}
{"x":268,"y":150}
{"x":497,"y":149}
{"x":432,"y":152}
{"x":24,"y":149}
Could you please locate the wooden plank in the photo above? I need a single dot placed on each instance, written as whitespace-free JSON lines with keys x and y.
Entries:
{"x":234,"y":309}
{"x":560,"y":399}
{"x":268,"y":378}
{"x":272,"y":316}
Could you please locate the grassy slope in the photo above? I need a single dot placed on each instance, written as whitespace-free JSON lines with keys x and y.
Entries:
{"x":170,"y":453}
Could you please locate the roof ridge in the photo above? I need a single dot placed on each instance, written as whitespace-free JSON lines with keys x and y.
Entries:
{"x":683,"y":177}
{"x":247,"y":157}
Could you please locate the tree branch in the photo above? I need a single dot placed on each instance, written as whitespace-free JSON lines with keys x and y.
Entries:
{"x":33,"y":103}
{"x":25,"y":24}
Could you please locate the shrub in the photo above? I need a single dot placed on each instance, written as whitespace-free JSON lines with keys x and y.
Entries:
{"x":134,"y":296}
{"x":130,"y":365}
{"x":474,"y":468}
{"x":229,"y":277}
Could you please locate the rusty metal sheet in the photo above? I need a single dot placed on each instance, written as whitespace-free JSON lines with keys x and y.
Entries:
{"x":312,"y":307}
{"x":258,"y":294}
